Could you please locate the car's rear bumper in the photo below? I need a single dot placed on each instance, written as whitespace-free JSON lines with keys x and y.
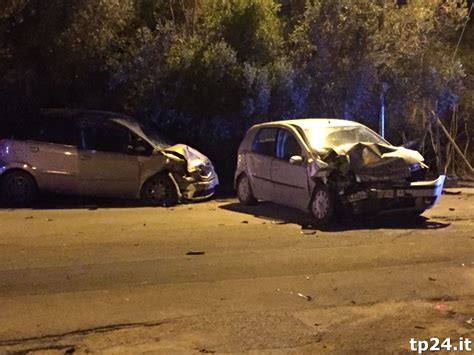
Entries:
{"x":419,"y":195}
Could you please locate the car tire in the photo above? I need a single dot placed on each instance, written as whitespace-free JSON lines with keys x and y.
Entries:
{"x":244,"y":191}
{"x":159,"y":190}
{"x":18,"y":189}
{"x":322,"y":205}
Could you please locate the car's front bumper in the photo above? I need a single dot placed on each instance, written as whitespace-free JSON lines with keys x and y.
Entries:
{"x":419,"y":195}
{"x":191,"y":189}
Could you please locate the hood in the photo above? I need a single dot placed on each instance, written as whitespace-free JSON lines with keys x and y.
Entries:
{"x":193,"y":157}
{"x":373,"y":161}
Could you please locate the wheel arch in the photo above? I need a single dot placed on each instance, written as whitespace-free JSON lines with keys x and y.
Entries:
{"x":12,"y":170}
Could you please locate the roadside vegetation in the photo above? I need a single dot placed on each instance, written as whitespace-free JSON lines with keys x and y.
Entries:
{"x":206,"y":70}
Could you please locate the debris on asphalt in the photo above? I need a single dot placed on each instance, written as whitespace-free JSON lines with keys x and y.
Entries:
{"x":308,"y":232}
{"x":307,"y":277}
{"x":29,"y":217}
{"x":307,"y":298}
{"x":280,"y":222}
{"x":470,"y":321}
{"x":446,"y":192}
{"x":245,"y":222}
{"x":443,"y":308}
{"x":48,"y":220}
{"x":419,"y":327}
{"x":70,"y":350}
{"x":195,"y":253}
{"x":353,"y":302}
{"x":452,"y":209}
{"x":144,"y":224}
{"x":206,"y":351}
{"x":431,"y":279}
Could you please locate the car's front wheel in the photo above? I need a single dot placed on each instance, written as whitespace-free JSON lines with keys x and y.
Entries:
{"x":18,"y":189}
{"x":159,"y":190}
{"x":244,"y":191}
{"x":322,"y":205}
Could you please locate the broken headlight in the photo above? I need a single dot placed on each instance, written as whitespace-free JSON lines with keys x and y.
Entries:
{"x":204,"y":170}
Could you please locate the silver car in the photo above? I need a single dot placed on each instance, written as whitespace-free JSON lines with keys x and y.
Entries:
{"x":98,"y":154}
{"x":330,"y":165}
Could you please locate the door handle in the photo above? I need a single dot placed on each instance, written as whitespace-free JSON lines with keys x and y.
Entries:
{"x":34,"y":149}
{"x":85,"y":157}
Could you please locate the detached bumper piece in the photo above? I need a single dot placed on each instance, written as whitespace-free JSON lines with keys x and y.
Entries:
{"x":419,"y":195}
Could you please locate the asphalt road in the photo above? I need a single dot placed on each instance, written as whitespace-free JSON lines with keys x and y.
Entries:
{"x":260,"y":279}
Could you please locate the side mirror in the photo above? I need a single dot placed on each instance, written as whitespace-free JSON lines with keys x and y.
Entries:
{"x":296,"y":160}
{"x":140,"y":149}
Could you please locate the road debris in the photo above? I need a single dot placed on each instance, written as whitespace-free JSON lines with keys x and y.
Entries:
{"x":307,"y":298}
{"x":48,"y":220}
{"x":308,"y":232}
{"x":29,"y":217}
{"x":245,"y":222}
{"x":419,"y":327}
{"x":195,"y":253}
{"x":470,"y":321}
{"x":431,"y":279}
{"x":280,"y":222}
{"x":452,"y":209}
{"x":443,"y":308}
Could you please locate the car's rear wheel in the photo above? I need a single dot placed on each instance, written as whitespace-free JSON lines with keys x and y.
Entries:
{"x":322,"y":205}
{"x":244,"y":191}
{"x":18,"y":189}
{"x":159,"y":190}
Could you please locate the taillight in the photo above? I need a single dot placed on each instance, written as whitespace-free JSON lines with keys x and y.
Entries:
{"x":3,"y":148}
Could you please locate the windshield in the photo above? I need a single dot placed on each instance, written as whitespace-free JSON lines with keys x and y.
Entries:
{"x":321,"y":138}
{"x":152,"y":134}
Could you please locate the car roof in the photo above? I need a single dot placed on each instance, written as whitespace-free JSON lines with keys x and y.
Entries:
{"x":67,"y":113}
{"x":305,"y":123}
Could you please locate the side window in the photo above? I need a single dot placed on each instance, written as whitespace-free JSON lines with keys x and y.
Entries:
{"x":105,"y":138}
{"x":54,"y":131}
{"x":264,"y":142}
{"x":288,"y":145}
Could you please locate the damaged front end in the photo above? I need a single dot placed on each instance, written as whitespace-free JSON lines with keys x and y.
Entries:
{"x":371,"y":178}
{"x":192,"y":172}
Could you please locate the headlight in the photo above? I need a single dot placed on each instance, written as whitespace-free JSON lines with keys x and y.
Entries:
{"x":204,"y":170}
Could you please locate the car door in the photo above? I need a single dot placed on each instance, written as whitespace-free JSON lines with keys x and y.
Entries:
{"x":290,"y":180}
{"x":51,"y":145}
{"x":107,"y":164}
{"x":259,"y":162}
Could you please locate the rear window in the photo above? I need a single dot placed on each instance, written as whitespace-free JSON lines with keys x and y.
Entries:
{"x":264,"y":142}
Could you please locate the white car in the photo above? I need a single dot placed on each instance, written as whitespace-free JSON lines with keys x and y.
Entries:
{"x":98,"y":154}
{"x":331,"y":165}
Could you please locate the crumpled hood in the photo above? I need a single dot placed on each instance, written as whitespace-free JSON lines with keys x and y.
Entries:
{"x":193,"y":157}
{"x":376,"y":161}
